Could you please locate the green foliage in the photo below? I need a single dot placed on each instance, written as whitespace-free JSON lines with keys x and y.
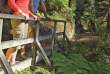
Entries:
{"x":77,"y":64}
{"x":102,"y":49}
{"x":82,"y":48}
{"x":77,"y":48}
{"x":101,"y":31}
{"x":24,"y":72}
{"x":59,"y":9}
{"x":41,"y":71}
{"x":36,"y":71}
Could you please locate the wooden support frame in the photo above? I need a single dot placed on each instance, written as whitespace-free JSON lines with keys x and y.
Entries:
{"x":64,"y":35}
{"x":40,"y":49}
{"x":6,"y":67}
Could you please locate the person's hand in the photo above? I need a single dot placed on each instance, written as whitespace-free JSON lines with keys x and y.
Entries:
{"x":48,"y":18}
{"x":26,"y":16}
{"x":23,"y":14}
{"x":35,"y":18}
{"x":38,"y":17}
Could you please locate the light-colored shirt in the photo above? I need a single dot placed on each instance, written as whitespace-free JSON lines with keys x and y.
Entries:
{"x":36,"y":4}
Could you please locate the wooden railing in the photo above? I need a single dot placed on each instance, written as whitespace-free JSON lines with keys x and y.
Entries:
{"x":12,"y":43}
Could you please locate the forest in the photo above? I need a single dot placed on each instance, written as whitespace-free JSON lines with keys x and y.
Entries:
{"x":88,"y":29}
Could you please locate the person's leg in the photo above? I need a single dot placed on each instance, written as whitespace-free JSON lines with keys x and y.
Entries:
{"x":14,"y":57}
{"x":30,"y":34}
{"x":9,"y":54}
{"x":23,"y":50}
{"x":19,"y":31}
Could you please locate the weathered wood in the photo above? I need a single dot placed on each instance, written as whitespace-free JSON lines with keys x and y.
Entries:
{"x":13,"y":43}
{"x":64,"y":32}
{"x":40,"y":49}
{"x":3,"y":61}
{"x":54,"y":35}
{"x":10,"y":16}
{"x":64,"y":35}
{"x":34,"y":50}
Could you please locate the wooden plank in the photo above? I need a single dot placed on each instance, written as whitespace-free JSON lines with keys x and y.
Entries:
{"x":13,"y":43}
{"x":40,"y":49}
{"x":10,"y":16}
{"x":3,"y":61}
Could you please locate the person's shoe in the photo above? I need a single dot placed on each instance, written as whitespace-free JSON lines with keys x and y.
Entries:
{"x":13,"y":63}
{"x":24,"y":56}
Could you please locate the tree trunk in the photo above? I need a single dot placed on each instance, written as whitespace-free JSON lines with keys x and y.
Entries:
{"x":108,"y":21}
{"x":93,"y":26}
{"x":69,"y":3}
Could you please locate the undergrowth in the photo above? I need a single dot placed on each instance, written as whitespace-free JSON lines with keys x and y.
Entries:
{"x":71,"y":64}
{"x":77,"y":64}
{"x":36,"y":71}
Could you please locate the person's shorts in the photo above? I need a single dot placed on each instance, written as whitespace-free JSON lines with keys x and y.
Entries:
{"x":31,"y":27}
{"x":20,"y":30}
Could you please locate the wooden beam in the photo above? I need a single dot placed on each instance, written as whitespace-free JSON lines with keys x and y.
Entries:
{"x":3,"y":61}
{"x":13,"y":43}
{"x":10,"y":16}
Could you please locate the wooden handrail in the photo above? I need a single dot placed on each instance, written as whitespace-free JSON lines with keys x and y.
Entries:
{"x":10,"y":16}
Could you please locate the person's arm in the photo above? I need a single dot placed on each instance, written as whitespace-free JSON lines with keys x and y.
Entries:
{"x":13,"y":5}
{"x":31,"y":7}
{"x":44,"y":10}
{"x":30,"y":13}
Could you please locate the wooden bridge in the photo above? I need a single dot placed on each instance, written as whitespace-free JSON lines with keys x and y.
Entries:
{"x":12,"y":43}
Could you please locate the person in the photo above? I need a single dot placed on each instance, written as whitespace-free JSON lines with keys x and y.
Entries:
{"x":33,"y":7}
{"x":20,"y":27}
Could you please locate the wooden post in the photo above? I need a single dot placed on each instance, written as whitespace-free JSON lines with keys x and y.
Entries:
{"x":40,"y":49}
{"x":64,"y":32}
{"x":54,"y":35}
{"x":34,"y":50}
{"x":3,"y":61}
{"x":64,"y":35}
{"x":54,"y":39}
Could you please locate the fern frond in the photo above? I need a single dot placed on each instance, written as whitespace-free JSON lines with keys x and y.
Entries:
{"x":77,"y":64}
{"x":41,"y":70}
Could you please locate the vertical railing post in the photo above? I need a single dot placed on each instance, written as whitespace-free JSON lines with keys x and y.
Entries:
{"x":54,"y":34}
{"x":54,"y":39}
{"x":34,"y":50}
{"x":64,"y":34}
{"x":3,"y":61}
